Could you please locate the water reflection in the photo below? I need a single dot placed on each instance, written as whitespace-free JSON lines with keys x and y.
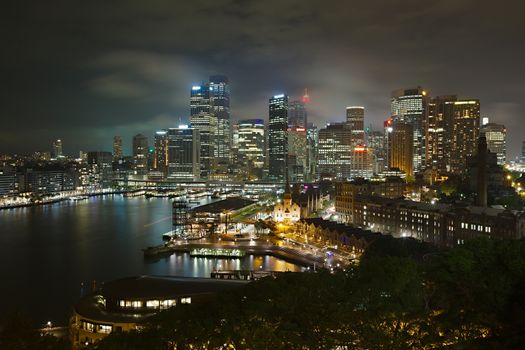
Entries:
{"x":48,"y":251}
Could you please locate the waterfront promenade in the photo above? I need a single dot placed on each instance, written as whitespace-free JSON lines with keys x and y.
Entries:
{"x":301,"y":254}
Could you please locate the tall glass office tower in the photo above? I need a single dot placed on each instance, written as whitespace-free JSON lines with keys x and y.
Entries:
{"x":277,"y":137}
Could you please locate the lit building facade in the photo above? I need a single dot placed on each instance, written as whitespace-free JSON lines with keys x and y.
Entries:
{"x":297,"y":154}
{"x":401,"y":148}
{"x":203,"y":120}
{"x":297,"y":115}
{"x":219,"y":90}
{"x":411,"y":106}
{"x":362,"y":162}
{"x":123,"y":305}
{"x":355,"y":118}
{"x":250,"y":145}
{"x":183,"y":153}
{"x":57,"y":149}
{"x":465,"y":133}
{"x":335,"y":151}
{"x":277,"y":137}
{"x":117,"y":147}
{"x":160,"y":162}
{"x":496,"y":135}
{"x":140,"y":154}
{"x":312,"y":136}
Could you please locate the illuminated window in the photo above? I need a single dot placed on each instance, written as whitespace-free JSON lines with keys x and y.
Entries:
{"x":136,"y":304}
{"x":88,"y":326}
{"x":185,"y":300}
{"x":122,"y":303}
{"x":105,"y":329}
{"x":154,"y":304}
{"x":164,"y":304}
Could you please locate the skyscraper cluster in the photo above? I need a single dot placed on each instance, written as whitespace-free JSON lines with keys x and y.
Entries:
{"x":423,"y":137}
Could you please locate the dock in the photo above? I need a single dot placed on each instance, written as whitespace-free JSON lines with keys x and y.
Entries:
{"x":247,"y":275}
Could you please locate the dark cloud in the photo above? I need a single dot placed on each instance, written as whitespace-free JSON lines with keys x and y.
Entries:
{"x":86,"y":72}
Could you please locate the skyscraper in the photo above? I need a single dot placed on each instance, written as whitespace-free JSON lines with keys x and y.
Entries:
{"x":335,"y":151}
{"x":452,"y":133}
{"x":355,"y":118}
{"x":465,"y":133}
{"x":160,"y":162}
{"x":362,"y":164}
{"x":297,"y":115}
{"x":277,"y":137}
{"x":140,"y":154}
{"x":220,"y":107}
{"x":312,"y":135}
{"x":401,"y":147}
{"x":410,"y":106}
{"x":297,"y":154}
{"x":57,"y":149}
{"x":250,"y":142}
{"x":496,"y":138}
{"x":183,"y":161}
{"x":117,"y":147}
{"x":203,"y":120}
{"x":523,"y":152}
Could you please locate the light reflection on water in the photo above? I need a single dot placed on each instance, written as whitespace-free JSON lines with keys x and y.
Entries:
{"x":48,"y":251}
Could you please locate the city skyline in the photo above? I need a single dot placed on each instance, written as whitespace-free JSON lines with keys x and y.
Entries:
{"x":86,"y":91}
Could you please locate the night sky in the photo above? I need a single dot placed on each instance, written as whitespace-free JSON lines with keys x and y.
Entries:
{"x":84,"y":71}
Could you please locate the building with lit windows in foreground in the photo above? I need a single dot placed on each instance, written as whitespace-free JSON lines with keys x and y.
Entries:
{"x":122,"y":305}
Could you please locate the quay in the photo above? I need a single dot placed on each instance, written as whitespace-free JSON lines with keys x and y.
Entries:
{"x":247,"y":275}
{"x":256,"y":247}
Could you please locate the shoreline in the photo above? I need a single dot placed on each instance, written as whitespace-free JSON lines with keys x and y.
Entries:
{"x":284,"y":253}
{"x":57,"y":200}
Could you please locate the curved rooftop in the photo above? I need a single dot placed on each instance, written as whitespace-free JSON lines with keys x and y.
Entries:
{"x":102,"y":304}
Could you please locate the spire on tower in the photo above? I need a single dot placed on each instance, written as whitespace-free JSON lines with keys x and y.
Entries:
{"x":306,"y":97}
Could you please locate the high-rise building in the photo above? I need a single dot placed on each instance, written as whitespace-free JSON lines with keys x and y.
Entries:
{"x":117,"y":147}
{"x":277,"y":137}
{"x":496,"y":137}
{"x":183,"y":160}
{"x":452,"y":133}
{"x":160,"y":161}
{"x":101,"y":164}
{"x":377,"y":141}
{"x":411,"y":106}
{"x":204,"y":120}
{"x":312,"y":135}
{"x":362,"y":164}
{"x":57,"y":149}
{"x":297,"y":154}
{"x":465,"y":133}
{"x":220,"y":107}
{"x":335,"y":151}
{"x":251,"y":143}
{"x":401,"y":140}
{"x":297,"y":115}
{"x":140,"y":154}
{"x":355,"y":118}
{"x":523,"y":152}
{"x":439,"y":134}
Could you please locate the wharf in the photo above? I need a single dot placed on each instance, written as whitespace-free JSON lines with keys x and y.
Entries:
{"x":252,"y":248}
{"x":248,"y":275}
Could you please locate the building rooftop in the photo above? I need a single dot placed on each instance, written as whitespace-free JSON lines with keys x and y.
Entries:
{"x":144,"y":288}
{"x":228,"y":204}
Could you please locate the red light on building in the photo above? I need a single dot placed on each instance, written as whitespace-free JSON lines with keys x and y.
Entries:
{"x":359,"y":148}
{"x":388,"y":122}
{"x":300,"y":129}
{"x":306,"y":97}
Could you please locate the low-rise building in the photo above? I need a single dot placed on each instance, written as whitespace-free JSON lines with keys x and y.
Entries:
{"x":122,"y":305}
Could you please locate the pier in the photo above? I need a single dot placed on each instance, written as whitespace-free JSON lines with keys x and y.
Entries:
{"x":248,"y":275}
